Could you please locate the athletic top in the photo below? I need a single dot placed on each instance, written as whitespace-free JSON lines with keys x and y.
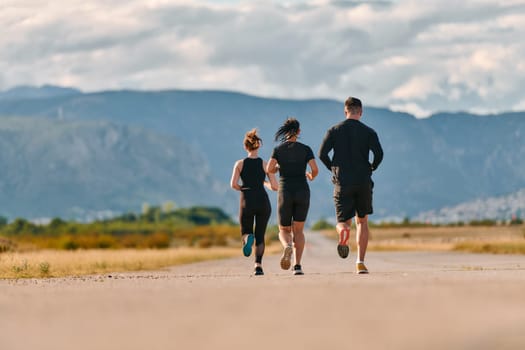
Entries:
{"x":292,"y":158}
{"x":252,"y":174}
{"x":351,"y":142}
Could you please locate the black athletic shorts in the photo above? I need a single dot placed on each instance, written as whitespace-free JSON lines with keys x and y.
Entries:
{"x":293,"y":206}
{"x":351,"y":199}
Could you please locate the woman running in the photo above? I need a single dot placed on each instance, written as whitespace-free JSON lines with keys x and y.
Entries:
{"x":254,"y":202}
{"x":291,"y":158}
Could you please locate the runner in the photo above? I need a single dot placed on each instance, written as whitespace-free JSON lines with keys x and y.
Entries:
{"x":351,"y":142}
{"x":254,"y":202}
{"x":291,"y":158}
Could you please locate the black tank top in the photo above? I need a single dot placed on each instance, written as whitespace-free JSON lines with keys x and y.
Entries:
{"x":252,"y":174}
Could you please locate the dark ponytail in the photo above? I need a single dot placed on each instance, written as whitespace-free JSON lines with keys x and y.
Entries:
{"x":289,"y":129}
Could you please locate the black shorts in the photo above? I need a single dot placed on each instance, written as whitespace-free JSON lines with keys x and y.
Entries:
{"x":351,"y":199}
{"x":293,"y":206}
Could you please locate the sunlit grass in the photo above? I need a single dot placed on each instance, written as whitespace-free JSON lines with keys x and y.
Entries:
{"x":62,"y":263}
{"x":59,"y":263}
{"x":492,"y":247}
{"x":475,"y":239}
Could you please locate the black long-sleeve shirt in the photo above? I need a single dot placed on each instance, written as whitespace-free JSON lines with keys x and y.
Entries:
{"x":351,"y":142}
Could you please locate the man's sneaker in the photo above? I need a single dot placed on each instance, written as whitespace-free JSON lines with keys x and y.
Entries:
{"x":258,"y":271}
{"x":286,"y":259}
{"x":342,"y":247}
{"x":297,"y":270}
{"x":360,"y":268}
{"x":247,"y":246}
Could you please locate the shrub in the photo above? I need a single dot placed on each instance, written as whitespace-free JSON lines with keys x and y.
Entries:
{"x":6,"y":245}
{"x":484,"y":222}
{"x":158,"y":240}
{"x":322,"y":224}
{"x":44,"y":268}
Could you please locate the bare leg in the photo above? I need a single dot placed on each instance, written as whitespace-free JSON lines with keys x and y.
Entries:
{"x":361,"y":236}
{"x":285,"y":236}
{"x":298,"y":240}
{"x":343,"y":231}
{"x":343,"y":225}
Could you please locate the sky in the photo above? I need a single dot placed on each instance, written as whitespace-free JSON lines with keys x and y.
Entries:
{"x":417,"y":56}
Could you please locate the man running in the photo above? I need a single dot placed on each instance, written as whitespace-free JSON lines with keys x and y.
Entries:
{"x":351,"y":142}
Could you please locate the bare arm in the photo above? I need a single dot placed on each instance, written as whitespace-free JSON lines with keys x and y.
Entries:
{"x":314,"y":170}
{"x":236,"y":174}
{"x":272,"y":166}
{"x":272,"y":183}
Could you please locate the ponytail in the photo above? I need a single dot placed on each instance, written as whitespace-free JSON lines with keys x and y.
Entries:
{"x":252,"y":141}
{"x":289,"y":129}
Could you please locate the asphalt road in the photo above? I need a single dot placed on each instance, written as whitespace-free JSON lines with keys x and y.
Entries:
{"x":415,"y":300}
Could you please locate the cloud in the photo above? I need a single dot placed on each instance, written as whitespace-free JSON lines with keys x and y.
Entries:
{"x":411,"y":108}
{"x":421,"y":56}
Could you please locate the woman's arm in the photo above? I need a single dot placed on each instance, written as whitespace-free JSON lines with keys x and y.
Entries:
{"x":314,"y":170}
{"x":272,"y":183}
{"x":236,"y":174}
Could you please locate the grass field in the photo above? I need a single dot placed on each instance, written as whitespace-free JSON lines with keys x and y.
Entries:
{"x":475,"y":239}
{"x":59,"y":263}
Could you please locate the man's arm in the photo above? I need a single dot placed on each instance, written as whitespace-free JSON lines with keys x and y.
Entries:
{"x":376,"y":148}
{"x":326,"y":147}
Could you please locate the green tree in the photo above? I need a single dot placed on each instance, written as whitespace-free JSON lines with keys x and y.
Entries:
{"x":322,"y":224}
{"x":3,"y":221}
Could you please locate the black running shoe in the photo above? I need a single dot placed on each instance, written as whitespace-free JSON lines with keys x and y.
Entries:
{"x":342,"y":246}
{"x":343,"y":251}
{"x":258,"y":271}
{"x":297,"y":270}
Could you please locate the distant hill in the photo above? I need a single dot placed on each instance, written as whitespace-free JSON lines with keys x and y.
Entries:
{"x":432,"y":163}
{"x":29,"y":92}
{"x":504,"y":207}
{"x":80,"y":169}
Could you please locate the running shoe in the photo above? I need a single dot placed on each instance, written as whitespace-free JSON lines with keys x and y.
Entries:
{"x":286,"y":259}
{"x":258,"y":271}
{"x":297,"y":270}
{"x":360,"y":268}
{"x":342,"y":247}
{"x":247,"y":246}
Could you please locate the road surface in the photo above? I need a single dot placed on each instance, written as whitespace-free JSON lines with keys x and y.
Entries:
{"x":410,"y":300}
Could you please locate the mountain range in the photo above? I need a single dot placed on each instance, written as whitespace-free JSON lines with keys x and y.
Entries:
{"x":506,"y":207}
{"x":441,"y":161}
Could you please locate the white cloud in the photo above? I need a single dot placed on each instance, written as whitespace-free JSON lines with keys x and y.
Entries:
{"x":420,"y":56}
{"x":411,"y":108}
{"x":417,"y":88}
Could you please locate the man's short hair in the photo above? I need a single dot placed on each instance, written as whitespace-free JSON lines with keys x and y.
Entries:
{"x":353,"y":105}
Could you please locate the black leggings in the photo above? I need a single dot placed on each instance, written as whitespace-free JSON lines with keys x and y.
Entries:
{"x":255,"y":205}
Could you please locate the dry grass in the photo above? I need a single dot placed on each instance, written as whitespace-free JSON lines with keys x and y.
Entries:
{"x":61,"y":263}
{"x":492,"y":247}
{"x":479,"y":239}
{"x":55,"y":263}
